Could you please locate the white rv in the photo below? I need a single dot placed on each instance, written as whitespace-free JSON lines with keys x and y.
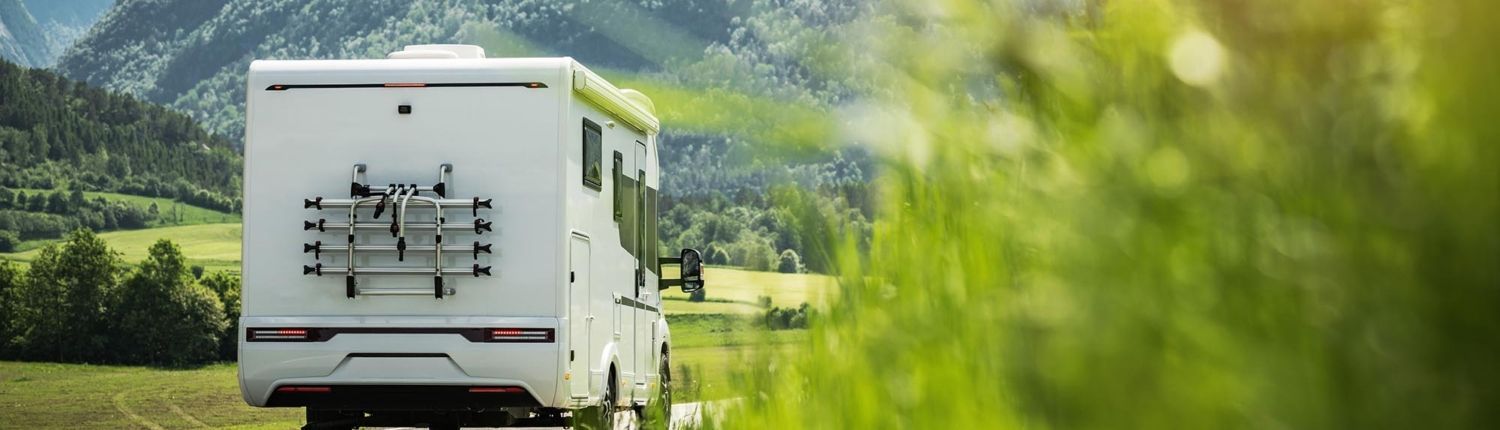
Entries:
{"x":440,"y":239}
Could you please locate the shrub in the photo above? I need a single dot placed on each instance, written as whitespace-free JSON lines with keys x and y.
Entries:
{"x":776,"y":318}
{"x":162,"y":290}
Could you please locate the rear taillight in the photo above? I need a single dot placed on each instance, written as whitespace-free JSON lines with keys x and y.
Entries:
{"x":281,"y":334}
{"x":496,"y":390}
{"x":540,"y":335}
{"x":303,"y":389}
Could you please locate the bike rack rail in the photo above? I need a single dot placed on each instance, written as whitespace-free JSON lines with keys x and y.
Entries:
{"x":400,"y":196}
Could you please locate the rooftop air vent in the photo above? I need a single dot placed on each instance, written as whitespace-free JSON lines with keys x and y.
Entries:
{"x":437,"y":51}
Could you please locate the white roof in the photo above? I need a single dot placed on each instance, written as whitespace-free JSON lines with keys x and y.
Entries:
{"x":460,"y":64}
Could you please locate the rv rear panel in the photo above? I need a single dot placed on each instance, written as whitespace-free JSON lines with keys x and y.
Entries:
{"x":532,"y":289}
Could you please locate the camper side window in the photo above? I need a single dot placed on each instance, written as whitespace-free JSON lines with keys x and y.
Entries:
{"x":619,"y":187}
{"x":592,"y":171}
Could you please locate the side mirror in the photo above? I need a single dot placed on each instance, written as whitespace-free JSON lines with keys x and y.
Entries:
{"x":692,"y":270}
{"x":690,"y":277}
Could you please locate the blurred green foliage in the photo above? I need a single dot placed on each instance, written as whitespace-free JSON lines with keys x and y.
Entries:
{"x":1162,"y":214}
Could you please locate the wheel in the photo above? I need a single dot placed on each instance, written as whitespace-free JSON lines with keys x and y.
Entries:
{"x":602,"y":415}
{"x":607,"y":405}
{"x":661,"y":403}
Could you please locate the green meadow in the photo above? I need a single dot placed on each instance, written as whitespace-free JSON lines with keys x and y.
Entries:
{"x":172,"y":211}
{"x":709,"y":339}
{"x":214,"y":246}
{"x":49,"y":395}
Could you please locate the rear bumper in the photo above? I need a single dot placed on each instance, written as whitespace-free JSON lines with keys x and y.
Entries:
{"x":402,"y":398}
{"x":401,"y":369}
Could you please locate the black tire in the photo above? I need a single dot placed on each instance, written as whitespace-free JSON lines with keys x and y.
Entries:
{"x":600,"y":416}
{"x":606,"y":417}
{"x":663,"y":399}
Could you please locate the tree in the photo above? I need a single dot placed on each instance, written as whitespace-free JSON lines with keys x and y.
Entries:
{"x":63,"y":307}
{"x":789,"y":262}
{"x":227,"y":286}
{"x":10,"y":278}
{"x":165,"y":317}
{"x":9,"y":240}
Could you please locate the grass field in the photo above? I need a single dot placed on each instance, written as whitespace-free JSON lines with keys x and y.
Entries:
{"x":173,"y":212}
{"x":746,"y":287}
{"x":675,"y":305}
{"x":217,"y":247}
{"x":214,"y":246}
{"x":711,"y":341}
{"x":46,"y":395}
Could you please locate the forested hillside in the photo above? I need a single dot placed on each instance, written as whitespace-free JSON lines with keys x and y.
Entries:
{"x":730,"y":78}
{"x":35,"y":33}
{"x":61,"y":134}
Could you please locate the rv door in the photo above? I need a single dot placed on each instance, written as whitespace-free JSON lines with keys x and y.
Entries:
{"x":580,"y":355}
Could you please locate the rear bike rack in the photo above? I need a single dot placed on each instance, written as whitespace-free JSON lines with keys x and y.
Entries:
{"x":400,"y":196}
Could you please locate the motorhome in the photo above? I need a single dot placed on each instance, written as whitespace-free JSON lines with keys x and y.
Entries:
{"x":441,"y":239}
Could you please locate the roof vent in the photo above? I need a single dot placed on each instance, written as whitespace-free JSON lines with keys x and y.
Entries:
{"x":437,"y":51}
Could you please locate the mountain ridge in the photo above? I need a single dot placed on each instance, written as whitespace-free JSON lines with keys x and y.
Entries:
{"x":35,"y":33}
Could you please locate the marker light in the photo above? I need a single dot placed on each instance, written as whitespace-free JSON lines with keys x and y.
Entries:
{"x":519,"y":335}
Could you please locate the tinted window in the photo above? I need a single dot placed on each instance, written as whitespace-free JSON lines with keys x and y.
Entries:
{"x":592,"y":140}
{"x":619,"y":187}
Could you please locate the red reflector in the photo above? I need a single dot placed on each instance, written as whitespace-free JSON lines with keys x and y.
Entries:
{"x":534,"y":85}
{"x":299,"y":389}
{"x":495,"y":389}
{"x":405,"y":84}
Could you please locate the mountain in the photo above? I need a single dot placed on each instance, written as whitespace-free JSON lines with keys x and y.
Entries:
{"x":35,"y":33}
{"x":729,"y":77}
{"x":21,"y":39}
{"x":702,"y":61}
{"x":192,"y":54}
